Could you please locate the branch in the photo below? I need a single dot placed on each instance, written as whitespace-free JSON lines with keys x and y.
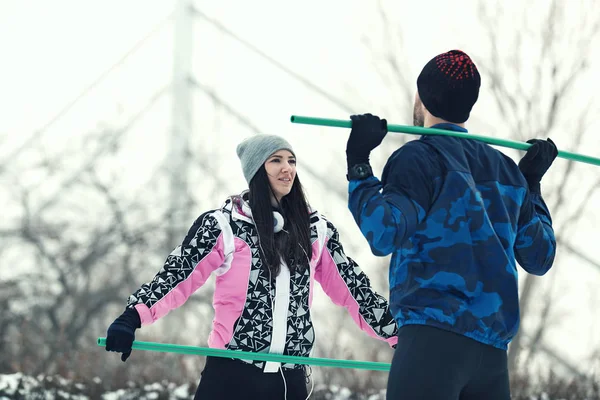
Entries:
{"x":392,"y":57}
{"x":579,"y":254}
{"x":538,"y":336}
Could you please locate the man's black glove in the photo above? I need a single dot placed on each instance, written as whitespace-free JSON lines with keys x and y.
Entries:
{"x":367,"y":133}
{"x":536,"y":161}
{"x":121,"y":333}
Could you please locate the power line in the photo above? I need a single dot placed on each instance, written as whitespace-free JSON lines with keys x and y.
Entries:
{"x":340,"y":103}
{"x":110,"y":142}
{"x":38,"y":133}
{"x":244,"y":120}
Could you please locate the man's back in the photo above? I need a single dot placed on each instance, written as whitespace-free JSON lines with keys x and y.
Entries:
{"x":457,"y":271}
{"x":457,"y":216}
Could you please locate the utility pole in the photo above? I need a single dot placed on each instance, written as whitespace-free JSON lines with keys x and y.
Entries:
{"x":177,"y":161}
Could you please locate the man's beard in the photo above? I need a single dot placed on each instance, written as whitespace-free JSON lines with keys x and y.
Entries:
{"x":418,"y":117}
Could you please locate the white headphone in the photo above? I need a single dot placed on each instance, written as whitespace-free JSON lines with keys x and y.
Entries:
{"x":279,"y":222}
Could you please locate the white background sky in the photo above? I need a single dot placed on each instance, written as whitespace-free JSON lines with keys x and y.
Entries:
{"x":51,"y":51}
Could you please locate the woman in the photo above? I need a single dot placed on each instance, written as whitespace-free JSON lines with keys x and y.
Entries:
{"x":266,"y":248}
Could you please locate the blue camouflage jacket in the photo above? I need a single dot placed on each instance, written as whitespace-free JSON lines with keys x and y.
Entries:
{"x":456,"y":215}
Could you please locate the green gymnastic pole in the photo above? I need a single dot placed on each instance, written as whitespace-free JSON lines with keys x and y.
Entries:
{"x":415,"y":130}
{"x":243,"y":355}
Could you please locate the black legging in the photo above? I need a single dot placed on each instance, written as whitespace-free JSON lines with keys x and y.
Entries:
{"x":434,"y":364}
{"x":225,"y":378}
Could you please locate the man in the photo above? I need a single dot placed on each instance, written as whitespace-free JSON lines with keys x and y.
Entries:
{"x":456,"y":215}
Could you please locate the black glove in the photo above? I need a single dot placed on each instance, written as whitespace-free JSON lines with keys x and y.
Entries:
{"x":121,"y":333}
{"x":536,"y":161}
{"x":367,"y":133}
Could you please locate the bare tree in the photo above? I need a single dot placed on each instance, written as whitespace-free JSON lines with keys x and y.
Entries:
{"x":72,"y":249}
{"x":538,"y":61}
{"x":76,"y":270}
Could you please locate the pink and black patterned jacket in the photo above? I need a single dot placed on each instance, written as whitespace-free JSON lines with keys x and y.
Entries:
{"x":254,"y":312}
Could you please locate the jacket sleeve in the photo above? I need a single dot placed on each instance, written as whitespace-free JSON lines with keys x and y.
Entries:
{"x":388,"y":211}
{"x":348,"y":286}
{"x":535,"y":245}
{"x":185,"y":270}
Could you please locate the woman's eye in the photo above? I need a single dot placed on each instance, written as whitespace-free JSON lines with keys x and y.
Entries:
{"x":293,"y":162}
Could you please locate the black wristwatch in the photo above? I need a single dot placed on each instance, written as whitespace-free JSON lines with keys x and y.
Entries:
{"x":359,"y":172}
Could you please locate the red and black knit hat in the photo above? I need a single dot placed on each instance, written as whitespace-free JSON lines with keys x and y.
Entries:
{"x":449,"y":86}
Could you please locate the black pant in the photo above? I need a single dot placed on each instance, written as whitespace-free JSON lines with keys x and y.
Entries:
{"x":226,"y":378}
{"x":434,"y":364}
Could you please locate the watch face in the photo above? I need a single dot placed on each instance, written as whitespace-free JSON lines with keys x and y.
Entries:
{"x":361,"y":169}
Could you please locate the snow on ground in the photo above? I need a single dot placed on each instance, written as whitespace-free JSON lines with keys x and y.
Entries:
{"x":22,"y":387}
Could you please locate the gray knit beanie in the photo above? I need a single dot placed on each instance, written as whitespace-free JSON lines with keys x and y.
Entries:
{"x":254,"y":151}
